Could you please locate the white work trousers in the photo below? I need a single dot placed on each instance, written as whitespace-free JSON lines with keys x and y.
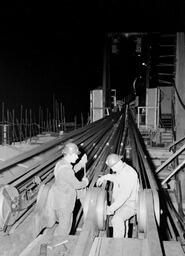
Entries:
{"x":65,"y":222}
{"x":119,"y":221}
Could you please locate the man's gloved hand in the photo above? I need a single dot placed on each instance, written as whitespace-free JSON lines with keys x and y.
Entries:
{"x":86,"y":180}
{"x":83,"y":160}
{"x":109,"y":210}
{"x":100,"y":180}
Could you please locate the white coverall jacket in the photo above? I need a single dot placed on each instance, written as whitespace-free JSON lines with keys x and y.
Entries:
{"x":66,"y":185}
{"x":125,"y":196}
{"x":63,"y":194}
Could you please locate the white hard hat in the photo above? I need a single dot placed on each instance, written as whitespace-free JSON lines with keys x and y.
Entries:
{"x":70,"y":148}
{"x":113,"y":159}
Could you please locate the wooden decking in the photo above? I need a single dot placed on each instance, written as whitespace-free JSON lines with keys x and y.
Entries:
{"x":104,"y":246}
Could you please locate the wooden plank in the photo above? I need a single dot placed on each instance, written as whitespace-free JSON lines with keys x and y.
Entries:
{"x":173,"y":248}
{"x":86,"y":239}
{"x":33,"y":246}
{"x":117,"y":247}
{"x":54,"y":245}
{"x":19,"y":240}
{"x":152,"y":238}
{"x":95,"y":246}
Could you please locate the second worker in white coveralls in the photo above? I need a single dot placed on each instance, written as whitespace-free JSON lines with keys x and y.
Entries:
{"x":125,"y":193}
{"x":64,"y":189}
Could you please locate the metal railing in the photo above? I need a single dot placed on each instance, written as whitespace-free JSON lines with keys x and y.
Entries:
{"x":148,"y":117}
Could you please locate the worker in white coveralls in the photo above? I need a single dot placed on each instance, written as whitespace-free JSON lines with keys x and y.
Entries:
{"x":125,"y":193}
{"x":64,"y":189}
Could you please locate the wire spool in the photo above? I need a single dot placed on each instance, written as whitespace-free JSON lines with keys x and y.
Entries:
{"x":95,"y":205}
{"x":40,"y":219}
{"x":156,"y":206}
{"x":42,"y":196}
{"x":9,"y":205}
{"x":90,"y":201}
{"x":141,"y":214}
{"x":101,"y":209}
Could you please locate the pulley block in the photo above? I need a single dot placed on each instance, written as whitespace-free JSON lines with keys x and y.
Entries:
{"x":142,"y":209}
{"x":40,"y":218}
{"x":141,"y":212}
{"x":95,"y":205}
{"x":156,"y":206}
{"x":42,"y":196}
{"x":9,"y":205}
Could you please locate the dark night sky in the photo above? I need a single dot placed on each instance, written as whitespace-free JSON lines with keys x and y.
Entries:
{"x":39,"y":57}
{"x":49,"y":50}
{"x":45,"y":52}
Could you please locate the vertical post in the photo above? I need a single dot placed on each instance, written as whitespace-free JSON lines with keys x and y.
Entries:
{"x":55,"y":119}
{"x":8,"y":118}
{"x":39,"y":119}
{"x":53,"y":112}
{"x":61,"y":116}
{"x":47,"y":119}
{"x":82,"y":120}
{"x":3,"y":113}
{"x":179,"y":110}
{"x":18,"y":128}
{"x":105,"y":73}
{"x":30,"y":125}
{"x":50,"y":125}
{"x":41,"y":116}
{"x":158,"y":105}
{"x":138,"y":117}
{"x":13,"y":123}
{"x":53,"y":125}
{"x":57,"y":116}
{"x":7,"y":125}
{"x":34,"y":126}
{"x":26,"y":124}
{"x":64,"y":118}
{"x":20,"y":125}
{"x":148,"y":64}
{"x":75,"y":121}
{"x":146,"y":117}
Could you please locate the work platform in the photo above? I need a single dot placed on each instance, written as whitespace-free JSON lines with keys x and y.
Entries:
{"x":155,"y":236}
{"x":102,"y":246}
{"x":128,"y":247}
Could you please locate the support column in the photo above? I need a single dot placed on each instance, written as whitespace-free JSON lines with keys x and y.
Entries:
{"x":179,"y":108}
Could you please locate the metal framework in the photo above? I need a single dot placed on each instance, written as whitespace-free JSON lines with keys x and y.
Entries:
{"x":156,"y":221}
